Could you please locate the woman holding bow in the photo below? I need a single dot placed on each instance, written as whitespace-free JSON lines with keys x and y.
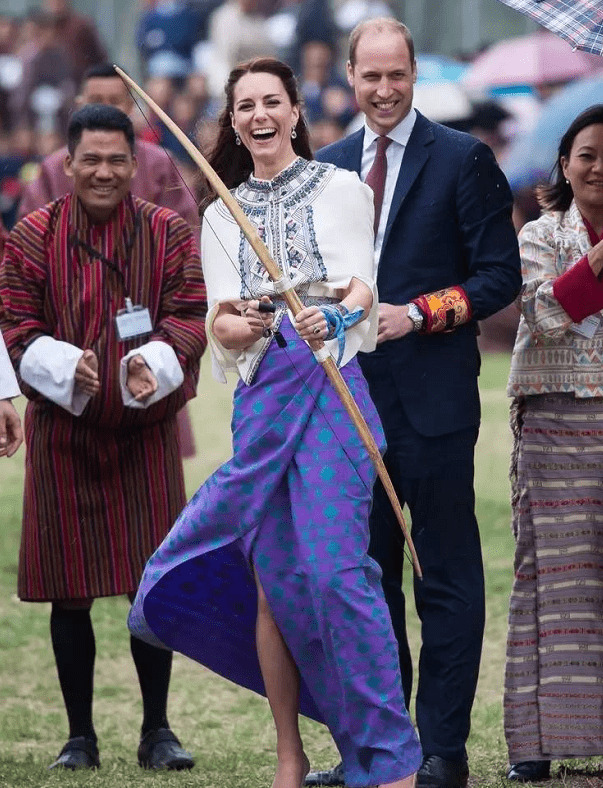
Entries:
{"x":271,"y":551}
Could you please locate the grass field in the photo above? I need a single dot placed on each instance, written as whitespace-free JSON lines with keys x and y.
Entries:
{"x":228,"y":729}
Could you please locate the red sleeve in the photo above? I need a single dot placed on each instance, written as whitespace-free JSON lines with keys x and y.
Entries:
{"x":579,"y":291}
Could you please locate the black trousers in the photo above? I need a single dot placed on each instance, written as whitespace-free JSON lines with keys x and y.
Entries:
{"x":434,"y":477}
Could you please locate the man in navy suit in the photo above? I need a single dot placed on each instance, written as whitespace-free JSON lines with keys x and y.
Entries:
{"x":446,"y":256}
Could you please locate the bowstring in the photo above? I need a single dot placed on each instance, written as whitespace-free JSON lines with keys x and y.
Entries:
{"x":253,"y":297}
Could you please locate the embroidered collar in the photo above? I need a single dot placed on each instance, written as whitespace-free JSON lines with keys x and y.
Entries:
{"x":290,"y":172}
{"x":293,"y":186}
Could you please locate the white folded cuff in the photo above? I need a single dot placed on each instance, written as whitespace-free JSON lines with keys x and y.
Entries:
{"x":9,"y":387}
{"x":163,"y":363}
{"x":48,"y":365}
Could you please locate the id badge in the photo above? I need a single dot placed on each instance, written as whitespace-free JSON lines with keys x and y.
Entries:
{"x":133,"y":321}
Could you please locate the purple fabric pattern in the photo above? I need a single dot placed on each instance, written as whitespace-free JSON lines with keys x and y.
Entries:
{"x":294,"y":502}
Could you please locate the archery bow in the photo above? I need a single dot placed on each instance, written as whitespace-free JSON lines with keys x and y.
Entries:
{"x":286,"y":290}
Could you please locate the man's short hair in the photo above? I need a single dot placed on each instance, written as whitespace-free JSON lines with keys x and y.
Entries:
{"x":99,"y":71}
{"x":380,"y":24}
{"x":95,"y":117}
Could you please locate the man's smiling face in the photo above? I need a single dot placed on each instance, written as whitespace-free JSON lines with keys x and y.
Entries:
{"x":102,"y":168}
{"x":383,"y":78}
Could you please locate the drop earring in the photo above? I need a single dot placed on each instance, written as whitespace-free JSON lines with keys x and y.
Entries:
{"x":293,"y":133}
{"x":237,"y":138}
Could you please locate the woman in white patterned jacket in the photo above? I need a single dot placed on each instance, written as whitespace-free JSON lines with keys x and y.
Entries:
{"x":554,"y":675}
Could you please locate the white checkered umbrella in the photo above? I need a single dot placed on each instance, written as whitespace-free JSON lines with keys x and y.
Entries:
{"x":578,"y":21}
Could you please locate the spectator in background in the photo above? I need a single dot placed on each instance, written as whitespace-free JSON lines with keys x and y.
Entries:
{"x":324,"y":132}
{"x":44,"y":95}
{"x":156,"y":179}
{"x":11,"y":69}
{"x":315,"y":22}
{"x":487,"y":123}
{"x":78,"y":36}
{"x":168,"y":31}
{"x":326,"y":95}
{"x":238,"y":31}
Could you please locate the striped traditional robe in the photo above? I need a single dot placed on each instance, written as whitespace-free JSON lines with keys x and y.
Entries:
{"x":101,"y":489}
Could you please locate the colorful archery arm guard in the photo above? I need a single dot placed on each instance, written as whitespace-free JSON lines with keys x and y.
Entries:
{"x":444,"y":310}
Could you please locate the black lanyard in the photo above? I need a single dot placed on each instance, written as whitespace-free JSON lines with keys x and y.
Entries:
{"x":112,"y":264}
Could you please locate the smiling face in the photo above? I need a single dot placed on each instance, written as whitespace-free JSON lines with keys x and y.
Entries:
{"x":263,"y":116}
{"x":584,"y":169}
{"x":106,"y":90}
{"x":102,"y":168}
{"x":383,"y":77}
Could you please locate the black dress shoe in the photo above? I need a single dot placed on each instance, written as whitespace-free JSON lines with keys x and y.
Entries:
{"x":161,"y":749}
{"x":330,"y":777}
{"x":435,"y":772}
{"x":80,"y":752}
{"x":529,"y":771}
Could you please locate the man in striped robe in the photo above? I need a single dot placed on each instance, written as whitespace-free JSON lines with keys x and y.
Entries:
{"x":104,"y":478}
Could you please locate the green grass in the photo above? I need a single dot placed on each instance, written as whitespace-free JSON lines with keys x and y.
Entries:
{"x":228,"y":729}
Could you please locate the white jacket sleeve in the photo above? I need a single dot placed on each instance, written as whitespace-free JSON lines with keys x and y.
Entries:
{"x":8,"y":380}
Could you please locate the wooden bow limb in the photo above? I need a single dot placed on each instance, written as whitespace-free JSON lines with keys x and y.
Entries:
{"x":293,"y":302}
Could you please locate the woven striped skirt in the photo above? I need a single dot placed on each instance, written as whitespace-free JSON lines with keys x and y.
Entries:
{"x":554,"y":675}
{"x":97,"y":503}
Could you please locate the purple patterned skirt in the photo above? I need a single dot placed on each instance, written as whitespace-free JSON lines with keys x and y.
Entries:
{"x":293,"y":502}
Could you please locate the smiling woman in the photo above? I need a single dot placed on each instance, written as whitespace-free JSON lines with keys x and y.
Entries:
{"x":553,"y":703}
{"x":264,"y":120}
{"x":271,"y":552}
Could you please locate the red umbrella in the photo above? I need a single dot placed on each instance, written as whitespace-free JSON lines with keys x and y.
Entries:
{"x":578,"y":21}
{"x":537,"y":59}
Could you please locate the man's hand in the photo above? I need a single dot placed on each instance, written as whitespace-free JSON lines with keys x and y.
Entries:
{"x":141,"y":382}
{"x":86,"y":373}
{"x":11,"y":433}
{"x":394,"y":322}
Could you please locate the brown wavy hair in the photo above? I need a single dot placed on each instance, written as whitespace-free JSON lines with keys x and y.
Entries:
{"x":233,"y":162}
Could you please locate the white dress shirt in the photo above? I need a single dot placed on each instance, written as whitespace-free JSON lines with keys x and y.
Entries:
{"x":395,"y":153}
{"x":8,"y":381}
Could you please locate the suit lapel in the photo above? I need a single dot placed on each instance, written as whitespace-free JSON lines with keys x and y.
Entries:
{"x":350,"y":152}
{"x":415,"y":156}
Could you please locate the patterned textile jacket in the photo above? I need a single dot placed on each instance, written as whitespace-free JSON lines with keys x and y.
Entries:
{"x":552,"y":353}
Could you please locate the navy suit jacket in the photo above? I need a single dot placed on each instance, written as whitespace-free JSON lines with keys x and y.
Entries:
{"x":449,"y":224}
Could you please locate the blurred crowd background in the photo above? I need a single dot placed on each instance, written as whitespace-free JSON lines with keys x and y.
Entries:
{"x":482,"y":68}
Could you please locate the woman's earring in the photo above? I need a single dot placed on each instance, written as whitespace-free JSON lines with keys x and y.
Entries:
{"x":237,"y":137}
{"x":293,"y":133}
{"x":566,"y":180}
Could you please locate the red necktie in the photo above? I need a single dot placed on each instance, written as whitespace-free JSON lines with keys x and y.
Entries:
{"x":376,"y":177}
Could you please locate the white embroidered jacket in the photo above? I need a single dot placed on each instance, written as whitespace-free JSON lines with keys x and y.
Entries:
{"x":551,"y":353}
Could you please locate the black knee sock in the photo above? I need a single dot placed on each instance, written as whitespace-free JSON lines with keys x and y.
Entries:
{"x":74,"y":651}
{"x":154,"y":666}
